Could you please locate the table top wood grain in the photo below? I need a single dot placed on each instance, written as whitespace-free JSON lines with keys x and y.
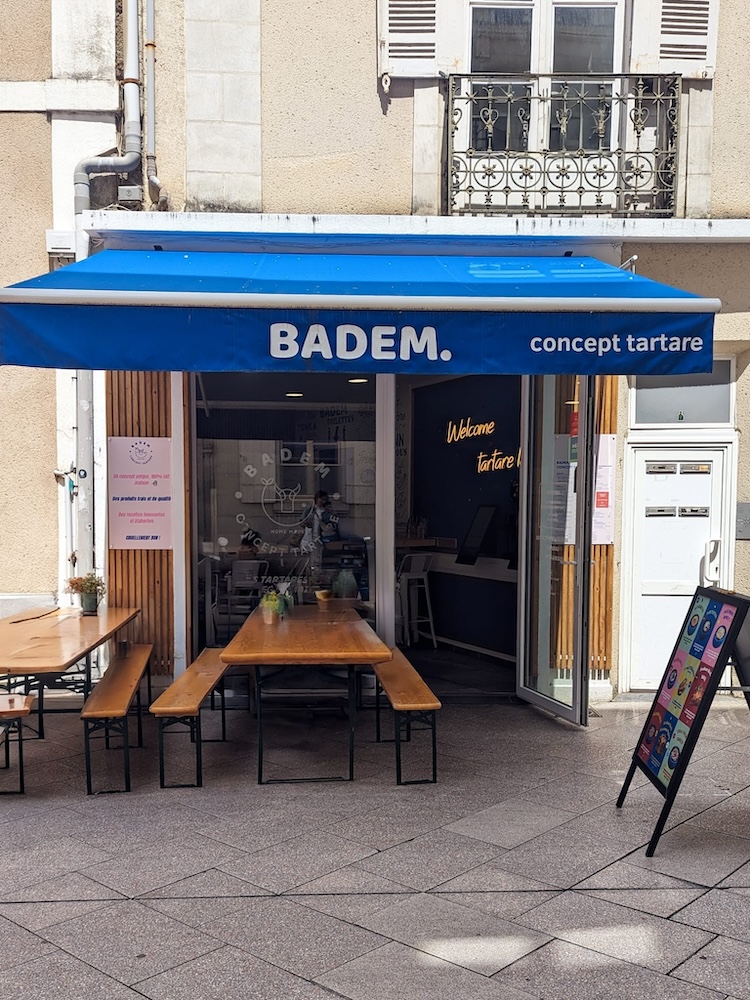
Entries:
{"x":307,"y":636}
{"x":48,"y":641}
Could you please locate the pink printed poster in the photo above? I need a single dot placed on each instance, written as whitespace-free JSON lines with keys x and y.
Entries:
{"x":139,"y":476}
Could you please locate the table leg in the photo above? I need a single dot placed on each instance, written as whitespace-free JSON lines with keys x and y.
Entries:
{"x":352,"y":717}
{"x":259,"y":717}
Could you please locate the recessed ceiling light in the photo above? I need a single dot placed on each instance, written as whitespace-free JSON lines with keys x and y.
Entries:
{"x":295,"y":394}
{"x":358,"y":381}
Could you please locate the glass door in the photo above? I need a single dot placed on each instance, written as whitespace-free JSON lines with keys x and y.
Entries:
{"x":556,"y":505}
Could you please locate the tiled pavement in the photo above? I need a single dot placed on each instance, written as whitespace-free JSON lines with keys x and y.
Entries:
{"x":513,"y":878}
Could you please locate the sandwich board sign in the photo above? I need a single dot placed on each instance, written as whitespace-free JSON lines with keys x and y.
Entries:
{"x":716,"y":631}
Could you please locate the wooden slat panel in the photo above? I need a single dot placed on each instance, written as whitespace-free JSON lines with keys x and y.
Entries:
{"x":138,"y":404}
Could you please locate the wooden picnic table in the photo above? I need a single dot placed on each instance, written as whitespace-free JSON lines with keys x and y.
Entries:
{"x":312,"y":636}
{"x":42,"y":642}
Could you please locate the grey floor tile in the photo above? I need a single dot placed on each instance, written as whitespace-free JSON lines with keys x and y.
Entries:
{"x":738,"y":879}
{"x":575,"y":791}
{"x":723,"y":965}
{"x":511,"y":823}
{"x":73,"y":887}
{"x":230,"y":974}
{"x":506,"y":905}
{"x":21,"y":867}
{"x":685,"y":853}
{"x":382,"y":829}
{"x":18,"y":945}
{"x":430,"y":860}
{"x":207,"y":885}
{"x":396,"y":972}
{"x":491,"y":877}
{"x":352,"y":908}
{"x":349,"y":880}
{"x":297,"y":861}
{"x":599,"y":925}
{"x":465,"y":936}
{"x":129,"y":941}
{"x":63,"y":977}
{"x":562,"y":971}
{"x":159,"y":864}
{"x":721,"y":911}
{"x":564,"y":858}
{"x":292,"y":936}
{"x":728,"y":816}
{"x":34,"y":916}
{"x":647,"y":891}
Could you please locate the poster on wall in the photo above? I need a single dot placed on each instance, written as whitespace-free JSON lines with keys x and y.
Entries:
{"x":710,"y":634}
{"x":140,"y":492}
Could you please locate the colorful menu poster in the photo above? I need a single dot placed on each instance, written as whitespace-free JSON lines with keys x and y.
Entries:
{"x":685,"y":685}
{"x":716,"y":627}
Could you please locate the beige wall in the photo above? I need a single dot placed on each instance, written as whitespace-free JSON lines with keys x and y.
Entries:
{"x":28,"y":511}
{"x":730,"y":194}
{"x":25,"y":40}
{"x":718,"y":271}
{"x":331,"y":141}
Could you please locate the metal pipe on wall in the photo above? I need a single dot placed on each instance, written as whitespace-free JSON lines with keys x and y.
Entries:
{"x":158,"y":195}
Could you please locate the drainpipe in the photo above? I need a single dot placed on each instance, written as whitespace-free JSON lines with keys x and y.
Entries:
{"x":132,"y":145}
{"x":125,"y":164}
{"x":156,"y":192}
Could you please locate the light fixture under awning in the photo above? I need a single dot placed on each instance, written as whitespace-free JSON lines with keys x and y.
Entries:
{"x":353,"y":312}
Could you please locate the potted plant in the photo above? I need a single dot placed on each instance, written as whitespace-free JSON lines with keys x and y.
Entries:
{"x":273,"y":605}
{"x":91,"y":588}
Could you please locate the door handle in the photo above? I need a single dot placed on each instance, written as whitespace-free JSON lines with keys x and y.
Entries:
{"x":710,"y":563}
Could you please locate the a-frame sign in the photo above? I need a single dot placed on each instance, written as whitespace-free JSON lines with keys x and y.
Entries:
{"x":716,"y":631}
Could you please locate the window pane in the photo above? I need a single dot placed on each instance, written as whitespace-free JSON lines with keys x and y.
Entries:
{"x":692,"y":399}
{"x":584,"y":40}
{"x":501,"y":40}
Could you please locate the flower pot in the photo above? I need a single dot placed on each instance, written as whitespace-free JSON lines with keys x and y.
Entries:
{"x":89,"y":603}
{"x":270,"y":615}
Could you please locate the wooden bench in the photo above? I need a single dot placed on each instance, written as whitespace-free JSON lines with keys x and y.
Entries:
{"x":107,"y":706}
{"x":180,"y":707}
{"x":412,"y":702}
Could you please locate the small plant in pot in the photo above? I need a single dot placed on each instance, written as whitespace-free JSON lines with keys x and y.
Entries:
{"x":273,"y":605}
{"x":90,"y":587}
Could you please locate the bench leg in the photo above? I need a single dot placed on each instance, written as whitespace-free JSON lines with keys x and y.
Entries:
{"x":14,"y":726}
{"x":161,"y":752}
{"x":87,"y":753}
{"x":198,"y":751}
{"x":378,"y":689}
{"x":138,"y":713}
{"x":126,"y":750}
{"x":259,"y":714}
{"x":403,"y":720}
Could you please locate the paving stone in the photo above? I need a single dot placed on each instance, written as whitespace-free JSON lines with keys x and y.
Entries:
{"x":230,"y":974}
{"x":688,"y":852}
{"x":723,"y":965}
{"x":395,"y":972}
{"x":63,"y":977}
{"x":459,"y":934}
{"x":511,"y":823}
{"x":619,"y":931}
{"x":647,"y":891}
{"x":722,"y":911}
{"x":429,"y":860}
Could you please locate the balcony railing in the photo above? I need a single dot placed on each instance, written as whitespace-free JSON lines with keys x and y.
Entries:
{"x":554,"y":145}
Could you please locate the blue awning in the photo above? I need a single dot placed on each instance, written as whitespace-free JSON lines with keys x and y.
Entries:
{"x":431,"y":312}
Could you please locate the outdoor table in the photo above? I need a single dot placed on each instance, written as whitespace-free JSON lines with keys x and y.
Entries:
{"x":309,"y":636}
{"x":43,"y":642}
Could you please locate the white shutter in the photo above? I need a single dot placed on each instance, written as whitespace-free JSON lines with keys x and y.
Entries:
{"x":420,"y":38}
{"x":675,"y":36}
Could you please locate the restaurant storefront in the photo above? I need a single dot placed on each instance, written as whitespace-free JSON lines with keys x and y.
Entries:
{"x":449,"y":397}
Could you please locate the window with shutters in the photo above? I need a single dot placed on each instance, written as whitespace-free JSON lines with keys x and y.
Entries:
{"x":549,"y":117}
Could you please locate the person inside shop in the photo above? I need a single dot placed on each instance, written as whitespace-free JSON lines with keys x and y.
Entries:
{"x":321,"y":524}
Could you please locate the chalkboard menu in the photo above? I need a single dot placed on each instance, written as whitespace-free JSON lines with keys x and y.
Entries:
{"x":716,"y":628}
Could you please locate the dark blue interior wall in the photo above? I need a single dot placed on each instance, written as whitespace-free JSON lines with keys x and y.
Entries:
{"x":451,"y":478}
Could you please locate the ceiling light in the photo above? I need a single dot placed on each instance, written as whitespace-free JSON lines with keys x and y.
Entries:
{"x":295,"y":395}
{"x":358,"y":381}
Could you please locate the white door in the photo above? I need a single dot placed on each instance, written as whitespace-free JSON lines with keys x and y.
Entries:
{"x":679,"y":544}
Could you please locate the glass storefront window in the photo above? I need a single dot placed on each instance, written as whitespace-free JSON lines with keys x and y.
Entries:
{"x":285,"y":481}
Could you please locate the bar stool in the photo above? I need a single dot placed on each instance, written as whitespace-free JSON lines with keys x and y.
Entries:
{"x":411,"y":577}
{"x":13,"y":710}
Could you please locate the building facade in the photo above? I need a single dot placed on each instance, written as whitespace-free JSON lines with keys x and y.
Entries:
{"x":609,"y":127}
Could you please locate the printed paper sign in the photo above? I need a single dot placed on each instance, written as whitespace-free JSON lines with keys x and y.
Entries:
{"x":140,"y":493}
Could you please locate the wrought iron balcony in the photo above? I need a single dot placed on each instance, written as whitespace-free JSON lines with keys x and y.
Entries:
{"x":554,"y":145}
